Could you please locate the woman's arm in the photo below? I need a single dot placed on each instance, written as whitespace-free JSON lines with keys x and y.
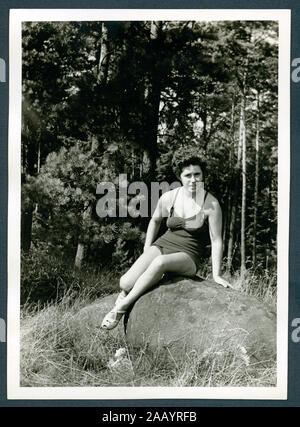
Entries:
{"x":155,"y":222}
{"x":152,"y":231}
{"x":215,"y":231}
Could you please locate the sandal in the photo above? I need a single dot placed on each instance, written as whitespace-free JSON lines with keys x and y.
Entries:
{"x":112,"y":319}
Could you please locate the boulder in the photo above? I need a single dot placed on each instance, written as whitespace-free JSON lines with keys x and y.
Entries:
{"x":187,"y":316}
{"x":89,"y":342}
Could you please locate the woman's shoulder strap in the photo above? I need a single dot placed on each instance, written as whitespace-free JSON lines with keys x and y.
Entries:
{"x":176,"y":191}
{"x":205,"y":195}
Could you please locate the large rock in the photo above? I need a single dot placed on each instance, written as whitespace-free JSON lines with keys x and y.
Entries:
{"x":89,"y":342}
{"x":187,"y":316}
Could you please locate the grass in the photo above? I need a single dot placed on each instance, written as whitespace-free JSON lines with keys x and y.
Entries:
{"x":59,"y":347}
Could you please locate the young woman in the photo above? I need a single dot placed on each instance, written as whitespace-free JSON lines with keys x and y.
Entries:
{"x":192,"y":214}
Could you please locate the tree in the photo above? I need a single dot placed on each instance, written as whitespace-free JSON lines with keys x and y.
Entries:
{"x":122,"y":97}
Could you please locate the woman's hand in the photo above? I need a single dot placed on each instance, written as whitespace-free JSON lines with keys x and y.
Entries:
{"x":221,"y":281}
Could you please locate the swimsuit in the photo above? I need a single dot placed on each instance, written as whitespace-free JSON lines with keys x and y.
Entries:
{"x":189,"y":235}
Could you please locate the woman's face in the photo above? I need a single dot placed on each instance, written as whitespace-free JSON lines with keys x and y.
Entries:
{"x":192,"y":178}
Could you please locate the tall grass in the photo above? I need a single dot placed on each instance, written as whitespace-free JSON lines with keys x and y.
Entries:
{"x":62,"y":345}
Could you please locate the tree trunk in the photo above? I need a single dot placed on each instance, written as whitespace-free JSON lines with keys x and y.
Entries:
{"x":103,"y":56}
{"x":256,"y":184}
{"x":153,"y":94}
{"x":81,"y":246}
{"x":225,"y":220}
{"x":79,"y":255}
{"x":152,"y":127}
{"x":30,"y":166}
{"x":94,"y":143}
{"x":232,"y":227}
{"x":244,"y":177}
{"x":234,"y":196}
{"x":38,"y":171}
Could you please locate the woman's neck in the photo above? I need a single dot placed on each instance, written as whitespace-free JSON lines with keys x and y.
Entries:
{"x":193,"y":194}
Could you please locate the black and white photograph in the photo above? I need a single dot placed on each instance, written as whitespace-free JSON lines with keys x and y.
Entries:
{"x":148,"y":204}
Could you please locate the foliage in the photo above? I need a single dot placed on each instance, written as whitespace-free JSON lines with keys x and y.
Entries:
{"x":47,"y":277}
{"x":44,"y":277}
{"x":161,"y":87}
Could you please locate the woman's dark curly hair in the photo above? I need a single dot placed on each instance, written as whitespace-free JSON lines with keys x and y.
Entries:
{"x":187,"y":156}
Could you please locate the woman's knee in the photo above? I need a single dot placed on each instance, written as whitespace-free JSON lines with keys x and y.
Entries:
{"x":158,"y":264}
{"x":126,"y":283}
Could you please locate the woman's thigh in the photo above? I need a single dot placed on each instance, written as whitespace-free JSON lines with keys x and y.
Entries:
{"x":140,"y":266}
{"x":179,"y":262}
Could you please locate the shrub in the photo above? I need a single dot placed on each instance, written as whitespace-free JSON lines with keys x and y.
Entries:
{"x":45,"y":277}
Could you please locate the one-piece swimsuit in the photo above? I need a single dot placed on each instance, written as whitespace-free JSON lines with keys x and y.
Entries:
{"x":183,"y":238}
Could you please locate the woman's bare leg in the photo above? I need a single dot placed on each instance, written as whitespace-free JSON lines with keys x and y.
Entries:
{"x":128,"y":280}
{"x":178,"y":262}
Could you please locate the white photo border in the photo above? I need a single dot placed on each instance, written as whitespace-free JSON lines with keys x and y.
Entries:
{"x":17,"y":17}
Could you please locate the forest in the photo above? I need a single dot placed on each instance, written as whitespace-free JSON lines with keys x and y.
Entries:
{"x":102,"y":99}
